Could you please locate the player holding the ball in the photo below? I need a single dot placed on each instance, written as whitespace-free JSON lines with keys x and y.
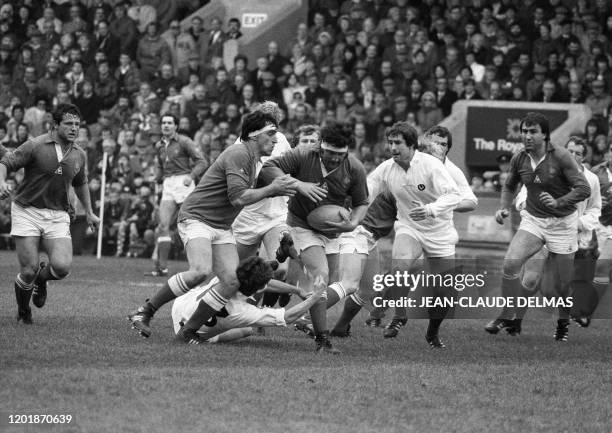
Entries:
{"x":327,"y":175}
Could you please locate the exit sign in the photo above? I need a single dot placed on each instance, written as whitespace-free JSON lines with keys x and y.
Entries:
{"x":253,"y":20}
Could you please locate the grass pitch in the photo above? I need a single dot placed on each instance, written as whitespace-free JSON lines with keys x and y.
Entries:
{"x":81,"y":358}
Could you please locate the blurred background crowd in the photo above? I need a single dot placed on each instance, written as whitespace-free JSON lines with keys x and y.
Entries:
{"x":366,"y":63}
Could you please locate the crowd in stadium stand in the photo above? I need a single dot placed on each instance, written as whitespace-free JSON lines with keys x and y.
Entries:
{"x":368,"y":63}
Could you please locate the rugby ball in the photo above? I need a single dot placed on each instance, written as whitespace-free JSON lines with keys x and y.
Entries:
{"x":319,"y":218}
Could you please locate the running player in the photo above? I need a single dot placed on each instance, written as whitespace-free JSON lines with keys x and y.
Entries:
{"x":41,"y":209}
{"x":555,"y":185}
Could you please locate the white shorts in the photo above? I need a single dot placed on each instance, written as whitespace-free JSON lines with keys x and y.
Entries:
{"x":359,"y":241}
{"x":190,"y":229}
{"x":45,"y":223}
{"x":304,"y":238}
{"x":435,"y":243}
{"x":240,"y":315}
{"x":560,"y":234}
{"x":174,"y":190}
{"x":250,"y":230}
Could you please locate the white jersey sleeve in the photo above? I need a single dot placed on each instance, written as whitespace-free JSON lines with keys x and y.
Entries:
{"x":464,"y":187}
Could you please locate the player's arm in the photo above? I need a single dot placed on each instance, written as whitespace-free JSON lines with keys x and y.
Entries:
{"x":239,"y":190}
{"x":81,"y":189}
{"x":445,"y":188}
{"x":289,"y":164}
{"x":580,"y":186}
{"x":508,"y":190}
{"x":590,"y":218}
{"x":294,"y":313}
{"x":13,"y":161}
{"x":276,"y":286}
{"x":196,"y":155}
{"x":159,"y":168}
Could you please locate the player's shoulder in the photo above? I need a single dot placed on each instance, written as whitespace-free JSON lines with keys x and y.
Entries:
{"x":183,"y":139}
{"x":426,"y":160}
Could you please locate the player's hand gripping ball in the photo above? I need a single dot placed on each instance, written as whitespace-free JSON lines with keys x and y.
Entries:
{"x":319,"y":218}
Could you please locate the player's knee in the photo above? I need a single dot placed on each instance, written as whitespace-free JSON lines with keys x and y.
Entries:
{"x":530,"y":281}
{"x":229,"y":285}
{"x":511,"y":269}
{"x":59,"y":270}
{"x":28,"y":272}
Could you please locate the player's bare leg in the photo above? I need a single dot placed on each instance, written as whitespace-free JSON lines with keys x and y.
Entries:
{"x":315,"y":261}
{"x":224,"y":261}
{"x":59,"y":252}
{"x":167,"y":209}
{"x":522,"y":246}
{"x":27,"y":254}
{"x":200,"y":256}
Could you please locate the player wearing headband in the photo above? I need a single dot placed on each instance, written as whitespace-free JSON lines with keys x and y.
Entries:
{"x":204,"y":224}
{"x":325,"y":175}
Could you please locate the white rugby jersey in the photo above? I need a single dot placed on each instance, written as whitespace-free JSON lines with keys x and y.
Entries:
{"x":426,"y":182}
{"x":271,"y":207}
{"x":464,"y":187}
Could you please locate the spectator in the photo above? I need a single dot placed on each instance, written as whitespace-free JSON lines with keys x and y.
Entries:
{"x":181,"y":44}
{"x":598,"y":100}
{"x":142,"y":14}
{"x":124,"y":30}
{"x":152,"y":52}
{"x":429,"y":114}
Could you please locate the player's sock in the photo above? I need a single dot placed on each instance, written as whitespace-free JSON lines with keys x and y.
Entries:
{"x":522,"y":310}
{"x":335,"y":293}
{"x":47,"y":273}
{"x":172,"y":289}
{"x":352,"y":306}
{"x":212,"y":302}
{"x":163,"y":251}
{"x":23,"y":292}
{"x":318,"y":315}
{"x":433,"y":327}
{"x":269,"y":299}
{"x":510,"y":288}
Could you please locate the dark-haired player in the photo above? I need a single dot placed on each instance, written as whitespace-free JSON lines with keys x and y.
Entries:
{"x":176,"y":155}
{"x":204,"y":224}
{"x":41,"y":209}
{"x":325,"y":175}
{"x":555,"y":185}
{"x":238,"y":316}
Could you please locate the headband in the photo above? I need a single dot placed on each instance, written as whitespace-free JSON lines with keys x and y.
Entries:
{"x":326,"y":146}
{"x":268,"y":127}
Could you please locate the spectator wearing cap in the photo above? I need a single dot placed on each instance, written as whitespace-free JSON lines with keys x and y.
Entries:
{"x":127,"y":75}
{"x":152,"y":52}
{"x":598,"y":100}
{"x":124,"y":29}
{"x":104,"y":41}
{"x":429,"y":114}
{"x":535,"y":84}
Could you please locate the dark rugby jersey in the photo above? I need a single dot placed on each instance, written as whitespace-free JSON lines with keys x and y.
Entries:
{"x":348,"y":180}
{"x":174,"y":159}
{"x":3,"y":151}
{"x":557,"y":174}
{"x":381,"y":215}
{"x":46,"y":180}
{"x":233,"y":172}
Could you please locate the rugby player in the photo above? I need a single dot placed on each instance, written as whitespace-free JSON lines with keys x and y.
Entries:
{"x":326,"y":175}
{"x":176,"y":154}
{"x":589,"y":212}
{"x":204,"y":224}
{"x":426,"y":196}
{"x":41,"y":209}
{"x":234,"y":321}
{"x":437,"y":141}
{"x":555,"y":185}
